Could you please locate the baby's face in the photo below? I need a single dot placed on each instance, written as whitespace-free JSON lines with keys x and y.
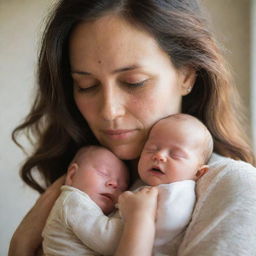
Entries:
{"x":103,"y":177}
{"x":170,"y":154}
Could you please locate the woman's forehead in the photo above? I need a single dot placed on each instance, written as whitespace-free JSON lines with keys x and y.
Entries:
{"x":112,"y":42}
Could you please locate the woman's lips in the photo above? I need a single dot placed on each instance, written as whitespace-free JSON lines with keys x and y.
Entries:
{"x":119,"y":134}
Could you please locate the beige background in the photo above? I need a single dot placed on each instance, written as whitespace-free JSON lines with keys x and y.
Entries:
{"x":20,"y":26}
{"x":253,"y":72}
{"x":231,"y":22}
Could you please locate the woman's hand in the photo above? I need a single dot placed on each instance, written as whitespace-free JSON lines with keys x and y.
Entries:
{"x":138,"y":210}
{"x":27,"y":238}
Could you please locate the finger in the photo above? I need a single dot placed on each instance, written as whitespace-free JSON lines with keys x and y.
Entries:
{"x":124,"y":195}
{"x":150,"y":190}
{"x":154,"y":190}
{"x":56,"y":184}
{"x":127,"y":193}
{"x":59,"y":181}
{"x":144,"y":190}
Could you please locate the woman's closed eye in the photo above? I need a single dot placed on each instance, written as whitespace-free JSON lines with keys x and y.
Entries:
{"x":135,"y":84}
{"x":89,"y":88}
{"x":94,"y":87}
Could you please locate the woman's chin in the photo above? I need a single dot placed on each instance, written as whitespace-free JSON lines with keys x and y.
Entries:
{"x":126,"y":152}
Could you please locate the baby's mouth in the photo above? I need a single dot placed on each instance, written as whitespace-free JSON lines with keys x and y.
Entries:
{"x":108,"y":196}
{"x":156,"y":170}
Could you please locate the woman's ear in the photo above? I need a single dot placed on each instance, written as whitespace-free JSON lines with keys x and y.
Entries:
{"x":72,"y":169}
{"x":201,"y":171}
{"x":187,"y":79}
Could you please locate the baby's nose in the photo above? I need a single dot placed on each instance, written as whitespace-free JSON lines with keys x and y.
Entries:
{"x":112,"y":184}
{"x":159,"y":156}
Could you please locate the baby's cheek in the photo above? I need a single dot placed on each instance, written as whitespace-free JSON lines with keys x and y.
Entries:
{"x":144,"y":160}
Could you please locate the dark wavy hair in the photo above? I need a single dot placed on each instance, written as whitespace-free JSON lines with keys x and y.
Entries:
{"x":180,"y":29}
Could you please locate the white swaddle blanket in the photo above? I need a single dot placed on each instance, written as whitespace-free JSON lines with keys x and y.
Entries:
{"x":175,"y":207}
{"x":75,"y":219}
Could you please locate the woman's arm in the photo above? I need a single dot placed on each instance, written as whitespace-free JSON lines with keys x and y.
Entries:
{"x":223,"y":221}
{"x":138,"y":210}
{"x":27,"y":238}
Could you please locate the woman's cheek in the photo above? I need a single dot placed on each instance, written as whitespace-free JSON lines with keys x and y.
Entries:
{"x":85,"y":107}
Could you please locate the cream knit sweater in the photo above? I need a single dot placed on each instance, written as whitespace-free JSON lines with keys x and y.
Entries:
{"x":224,"y":219}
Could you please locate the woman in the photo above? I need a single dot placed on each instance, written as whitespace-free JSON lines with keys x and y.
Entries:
{"x":108,"y":70}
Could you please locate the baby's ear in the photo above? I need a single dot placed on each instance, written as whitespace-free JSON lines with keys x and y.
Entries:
{"x":201,"y":171}
{"x":71,"y":173}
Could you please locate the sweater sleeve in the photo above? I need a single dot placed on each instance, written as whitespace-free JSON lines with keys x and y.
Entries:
{"x":224,"y":219}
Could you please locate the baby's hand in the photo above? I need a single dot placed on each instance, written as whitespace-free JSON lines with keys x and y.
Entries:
{"x":139,"y":204}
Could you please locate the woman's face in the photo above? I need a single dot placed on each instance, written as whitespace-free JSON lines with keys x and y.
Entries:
{"x":123,"y":82}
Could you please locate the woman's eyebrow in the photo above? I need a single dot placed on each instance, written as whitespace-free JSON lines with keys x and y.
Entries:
{"x":119,"y":70}
{"x":128,"y":68}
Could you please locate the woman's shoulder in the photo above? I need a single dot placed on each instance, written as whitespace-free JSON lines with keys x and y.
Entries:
{"x":227,"y":183}
{"x":217,"y":161}
{"x":221,"y":223}
{"x":224,"y":171}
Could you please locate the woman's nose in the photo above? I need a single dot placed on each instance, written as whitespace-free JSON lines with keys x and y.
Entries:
{"x":159,"y":156}
{"x":112,"y":103}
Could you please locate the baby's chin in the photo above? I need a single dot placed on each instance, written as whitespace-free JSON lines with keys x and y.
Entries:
{"x":106,"y":207}
{"x":154,"y":181}
{"x":108,"y":210}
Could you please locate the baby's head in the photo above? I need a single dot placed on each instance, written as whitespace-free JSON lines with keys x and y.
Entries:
{"x":99,"y":173}
{"x":178,"y":148}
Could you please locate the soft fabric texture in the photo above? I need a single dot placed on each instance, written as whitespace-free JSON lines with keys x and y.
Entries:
{"x":175,"y":206}
{"x":224,"y":218}
{"x":76,"y":221}
{"x":95,"y":234}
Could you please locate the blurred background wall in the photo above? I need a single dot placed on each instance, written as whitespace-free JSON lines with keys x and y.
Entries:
{"x":20,"y":28}
{"x":253,"y":72}
{"x":231,"y":23}
{"x":21,"y":24}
